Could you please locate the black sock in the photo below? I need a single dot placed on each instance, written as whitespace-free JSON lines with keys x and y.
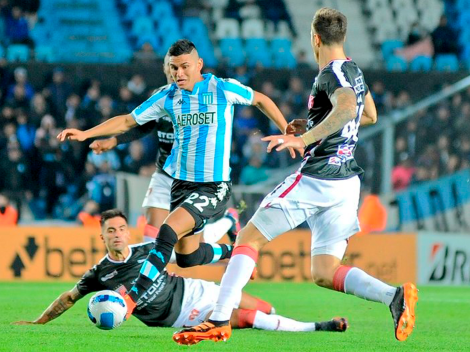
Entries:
{"x":156,"y":261}
{"x":205,"y":254}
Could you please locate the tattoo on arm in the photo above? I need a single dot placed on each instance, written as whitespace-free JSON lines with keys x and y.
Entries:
{"x":64,"y":302}
{"x":344,"y":110}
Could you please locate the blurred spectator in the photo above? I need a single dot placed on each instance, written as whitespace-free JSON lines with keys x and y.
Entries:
{"x":26,"y":133}
{"x":146,"y":55}
{"x":16,"y":177}
{"x":126,"y":102}
{"x":72,"y":105}
{"x":296,"y":96}
{"x":102,"y":187}
{"x":254,"y":172}
{"x":245,"y":123}
{"x":105,"y":107}
{"x":135,"y":160}
{"x":382,"y":98}
{"x":90,"y":215}
{"x":19,"y":100}
{"x":17,"y":31}
{"x":38,"y":109}
{"x":20,"y":75}
{"x":242,"y":74}
{"x":137,"y":85}
{"x":416,"y":34}
{"x":111,"y":158}
{"x":402,"y":175}
{"x":59,"y":92}
{"x":444,"y":38}
{"x":302,"y":61}
{"x":8,"y":214}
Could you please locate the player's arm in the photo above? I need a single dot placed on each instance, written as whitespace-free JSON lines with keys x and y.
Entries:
{"x":344,"y":110}
{"x":270,"y":109}
{"x":103,"y":145}
{"x":116,"y":125}
{"x":64,"y":302}
{"x":369,"y":115}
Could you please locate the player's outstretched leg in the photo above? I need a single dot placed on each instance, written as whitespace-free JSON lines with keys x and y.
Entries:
{"x":403,"y":310}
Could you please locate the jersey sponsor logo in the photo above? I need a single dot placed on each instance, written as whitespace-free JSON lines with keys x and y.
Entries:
{"x":359,"y":85}
{"x":207,"y":98}
{"x":334,"y":161}
{"x":109,"y":276}
{"x":310,"y":101}
{"x":167,"y":137}
{"x":199,"y":118}
{"x":151,"y":294}
{"x":345,"y":152}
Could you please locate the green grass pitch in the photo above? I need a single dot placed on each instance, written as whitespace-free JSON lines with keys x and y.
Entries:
{"x":442,"y":323}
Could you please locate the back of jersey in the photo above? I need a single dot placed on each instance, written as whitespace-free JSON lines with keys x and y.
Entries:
{"x":333,"y":156}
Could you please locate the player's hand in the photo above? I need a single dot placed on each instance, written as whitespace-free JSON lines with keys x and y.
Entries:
{"x":285,"y":141}
{"x":103,"y":145}
{"x":71,"y":134}
{"x":24,"y":322}
{"x":297,"y":126}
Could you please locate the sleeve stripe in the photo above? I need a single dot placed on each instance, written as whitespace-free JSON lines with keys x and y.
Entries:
{"x":235,"y":88}
{"x":339,"y":73}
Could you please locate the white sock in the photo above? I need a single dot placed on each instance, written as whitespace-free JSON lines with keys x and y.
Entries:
{"x":215,"y":231}
{"x":277,"y":322}
{"x":173,"y":257}
{"x":148,"y":239}
{"x":361,"y":284}
{"x":239,"y":270}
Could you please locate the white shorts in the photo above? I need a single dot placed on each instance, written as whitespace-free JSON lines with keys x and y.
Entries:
{"x":199,"y":300}
{"x":159,"y":192}
{"x":328,"y":206}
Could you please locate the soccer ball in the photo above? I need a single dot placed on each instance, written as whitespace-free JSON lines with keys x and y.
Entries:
{"x":107,"y":309}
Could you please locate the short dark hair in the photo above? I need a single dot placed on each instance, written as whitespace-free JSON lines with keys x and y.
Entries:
{"x":181,"y":47}
{"x":112,"y":213}
{"x":330,"y":25}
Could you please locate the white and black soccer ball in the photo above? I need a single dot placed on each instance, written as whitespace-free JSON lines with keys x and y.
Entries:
{"x":107,"y":309}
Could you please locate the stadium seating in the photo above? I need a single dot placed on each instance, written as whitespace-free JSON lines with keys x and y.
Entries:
{"x":18,"y":52}
{"x":257,"y":52}
{"x":45,"y":53}
{"x":389,"y":46}
{"x":142,"y":26}
{"x":446,"y":62}
{"x":227,"y":28}
{"x":232,"y":51}
{"x":396,"y":63}
{"x":421,"y":63}
{"x":252,"y":28}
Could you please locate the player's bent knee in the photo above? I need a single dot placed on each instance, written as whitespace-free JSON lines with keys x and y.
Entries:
{"x":322,"y":278}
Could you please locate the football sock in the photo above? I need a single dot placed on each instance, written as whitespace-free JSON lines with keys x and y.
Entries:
{"x":150,"y":233}
{"x":259,"y":320}
{"x":205,"y":254}
{"x":215,"y":231}
{"x":356,"y":282}
{"x":155,"y":263}
{"x":236,"y":276}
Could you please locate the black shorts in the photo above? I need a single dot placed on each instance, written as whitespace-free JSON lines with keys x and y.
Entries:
{"x":202,"y":200}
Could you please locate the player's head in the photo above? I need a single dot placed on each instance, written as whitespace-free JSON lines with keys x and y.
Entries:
{"x":328,"y":29}
{"x":166,"y":68}
{"x":114,"y":230}
{"x":185,"y":64}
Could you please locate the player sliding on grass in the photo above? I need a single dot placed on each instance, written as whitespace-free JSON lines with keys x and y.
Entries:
{"x":172,"y":301}
{"x":324,"y":192}
{"x":201,"y":110}
{"x":157,"y":200}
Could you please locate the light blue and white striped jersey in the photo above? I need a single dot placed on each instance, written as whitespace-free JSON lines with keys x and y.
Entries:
{"x":202,"y":120}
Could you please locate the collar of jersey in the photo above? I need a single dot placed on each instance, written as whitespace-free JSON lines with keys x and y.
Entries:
{"x":121,"y":261}
{"x":329,"y":63}
{"x":206,"y":76}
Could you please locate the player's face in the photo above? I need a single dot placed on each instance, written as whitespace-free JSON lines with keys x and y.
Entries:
{"x":186,"y":70}
{"x":115,"y":234}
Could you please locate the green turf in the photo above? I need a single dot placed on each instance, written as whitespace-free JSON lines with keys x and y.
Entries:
{"x":442,"y":323}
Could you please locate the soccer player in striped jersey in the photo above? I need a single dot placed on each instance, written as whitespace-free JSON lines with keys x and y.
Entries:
{"x":157,"y":200}
{"x":201,"y":110}
{"x":324,"y":192}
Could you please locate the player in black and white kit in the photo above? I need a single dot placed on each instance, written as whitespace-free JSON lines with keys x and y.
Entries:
{"x":158,"y":198}
{"x":171,"y":300}
{"x":324,"y":192}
